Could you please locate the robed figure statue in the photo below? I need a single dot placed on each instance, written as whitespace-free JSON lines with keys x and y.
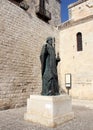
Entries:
{"x":49,"y":68}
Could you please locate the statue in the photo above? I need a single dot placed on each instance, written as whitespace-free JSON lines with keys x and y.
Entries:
{"x":49,"y":68}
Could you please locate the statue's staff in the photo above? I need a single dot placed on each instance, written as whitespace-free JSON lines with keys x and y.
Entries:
{"x":54,"y":43}
{"x":57,"y":56}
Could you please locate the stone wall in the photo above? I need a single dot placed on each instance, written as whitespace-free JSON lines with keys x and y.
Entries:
{"x":21,"y":38}
{"x":54,"y":8}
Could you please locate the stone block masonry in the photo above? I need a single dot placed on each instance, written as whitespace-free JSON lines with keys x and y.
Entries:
{"x":21,"y":39}
{"x":52,"y":110}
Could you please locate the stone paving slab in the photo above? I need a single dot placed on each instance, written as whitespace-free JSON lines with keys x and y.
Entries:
{"x":86,"y":103}
{"x":13,"y":119}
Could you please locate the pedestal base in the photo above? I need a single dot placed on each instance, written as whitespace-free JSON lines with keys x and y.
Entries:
{"x":49,"y":110}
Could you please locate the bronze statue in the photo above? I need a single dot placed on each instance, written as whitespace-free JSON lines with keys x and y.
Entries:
{"x":49,"y":68}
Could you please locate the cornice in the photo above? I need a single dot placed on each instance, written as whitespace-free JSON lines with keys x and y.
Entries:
{"x":76,"y":3}
{"x":71,"y":23}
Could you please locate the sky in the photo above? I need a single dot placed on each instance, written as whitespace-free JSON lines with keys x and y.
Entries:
{"x":64,"y":9}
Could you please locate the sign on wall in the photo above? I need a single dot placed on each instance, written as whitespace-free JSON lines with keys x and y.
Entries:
{"x":68,"y":80}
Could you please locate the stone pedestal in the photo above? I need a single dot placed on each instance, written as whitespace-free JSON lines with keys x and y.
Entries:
{"x":49,"y":110}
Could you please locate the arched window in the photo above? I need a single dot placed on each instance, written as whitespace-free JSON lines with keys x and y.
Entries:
{"x":79,"y":41}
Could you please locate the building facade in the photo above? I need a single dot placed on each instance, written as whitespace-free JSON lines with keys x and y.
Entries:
{"x":76,"y":43}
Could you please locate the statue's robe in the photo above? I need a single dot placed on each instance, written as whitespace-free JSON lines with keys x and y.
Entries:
{"x":49,"y":71}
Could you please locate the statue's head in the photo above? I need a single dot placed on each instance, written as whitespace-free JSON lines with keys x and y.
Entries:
{"x":49,"y":40}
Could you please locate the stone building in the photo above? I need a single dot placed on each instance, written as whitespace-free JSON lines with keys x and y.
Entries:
{"x":24,"y":29}
{"x":76,"y":42}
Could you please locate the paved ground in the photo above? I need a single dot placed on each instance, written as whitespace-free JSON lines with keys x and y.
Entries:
{"x":13,"y":119}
